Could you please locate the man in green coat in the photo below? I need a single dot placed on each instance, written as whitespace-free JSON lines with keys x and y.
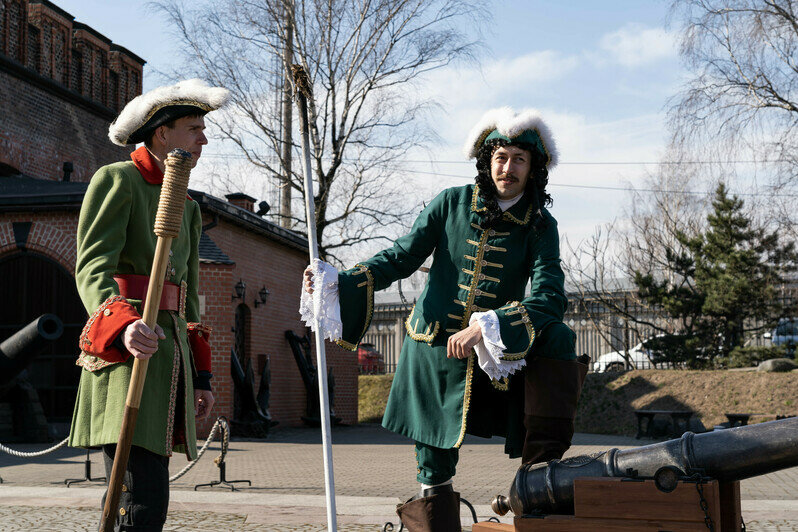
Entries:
{"x":116,"y":246}
{"x":482,"y":356}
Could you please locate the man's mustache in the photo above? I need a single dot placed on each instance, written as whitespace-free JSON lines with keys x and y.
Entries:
{"x":507,"y":176}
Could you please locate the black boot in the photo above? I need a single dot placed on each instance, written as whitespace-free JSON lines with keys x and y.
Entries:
{"x":437,"y":509}
{"x":551,"y":392}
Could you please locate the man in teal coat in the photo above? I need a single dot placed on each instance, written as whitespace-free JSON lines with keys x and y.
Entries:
{"x":116,"y":246}
{"x":482,"y":355}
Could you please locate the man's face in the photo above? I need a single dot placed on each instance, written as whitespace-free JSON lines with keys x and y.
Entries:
{"x":510,"y":168}
{"x":188,"y":134}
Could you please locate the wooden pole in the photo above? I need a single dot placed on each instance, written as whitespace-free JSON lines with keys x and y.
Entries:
{"x":167,"y":227}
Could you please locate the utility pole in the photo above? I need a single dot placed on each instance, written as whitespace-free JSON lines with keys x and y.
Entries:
{"x":288,"y":60}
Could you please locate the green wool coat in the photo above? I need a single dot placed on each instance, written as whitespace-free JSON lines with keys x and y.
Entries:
{"x":434,"y":399}
{"x":115,"y":236}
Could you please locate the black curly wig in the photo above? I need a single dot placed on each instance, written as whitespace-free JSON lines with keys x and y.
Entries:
{"x":535,"y":186}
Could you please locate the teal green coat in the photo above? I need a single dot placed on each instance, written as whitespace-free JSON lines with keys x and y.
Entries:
{"x":434,"y":399}
{"x":115,"y":236}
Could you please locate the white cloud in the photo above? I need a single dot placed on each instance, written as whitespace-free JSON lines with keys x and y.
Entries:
{"x":635,"y":45}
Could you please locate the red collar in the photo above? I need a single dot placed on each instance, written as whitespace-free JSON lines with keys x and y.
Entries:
{"x":146,"y":166}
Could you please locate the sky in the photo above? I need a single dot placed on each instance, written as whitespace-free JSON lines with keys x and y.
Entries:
{"x":601,"y":74}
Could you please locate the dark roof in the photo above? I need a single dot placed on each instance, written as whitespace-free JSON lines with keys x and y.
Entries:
{"x":210,"y":253}
{"x":24,"y":193}
{"x":21,"y":193}
{"x":81,"y":26}
{"x":249,"y":220}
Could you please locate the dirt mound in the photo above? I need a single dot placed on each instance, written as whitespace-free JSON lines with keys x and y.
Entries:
{"x":609,"y":399}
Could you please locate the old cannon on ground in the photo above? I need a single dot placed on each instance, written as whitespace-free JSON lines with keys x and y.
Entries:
{"x":692,"y":463}
{"x":21,"y":414}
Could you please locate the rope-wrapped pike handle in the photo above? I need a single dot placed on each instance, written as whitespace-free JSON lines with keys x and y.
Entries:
{"x":173,"y":193}
{"x":301,"y":81}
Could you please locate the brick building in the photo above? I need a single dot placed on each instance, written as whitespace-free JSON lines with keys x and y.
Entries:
{"x":61,"y":84}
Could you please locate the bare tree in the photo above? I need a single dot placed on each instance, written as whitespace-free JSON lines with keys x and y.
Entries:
{"x":365,"y":59}
{"x":742,"y":99}
{"x":601,"y":270}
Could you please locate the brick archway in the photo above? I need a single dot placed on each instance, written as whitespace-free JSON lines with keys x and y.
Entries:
{"x":42,"y":285}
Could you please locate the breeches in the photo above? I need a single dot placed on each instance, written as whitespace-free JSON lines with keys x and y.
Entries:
{"x":435,"y":465}
{"x":144,"y":500}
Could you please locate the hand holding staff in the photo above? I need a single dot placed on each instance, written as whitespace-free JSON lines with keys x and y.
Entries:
{"x":167,"y":226}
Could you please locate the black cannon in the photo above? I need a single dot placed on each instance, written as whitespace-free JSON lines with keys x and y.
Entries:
{"x":725,"y":455}
{"x":21,"y":414}
{"x":252,"y":418}
{"x":18,"y":351}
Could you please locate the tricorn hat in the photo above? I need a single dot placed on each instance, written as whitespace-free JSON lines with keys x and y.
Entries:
{"x":526,"y":127}
{"x":144,"y":113}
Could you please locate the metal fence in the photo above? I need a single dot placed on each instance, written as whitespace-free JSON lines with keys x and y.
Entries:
{"x":599,"y":328}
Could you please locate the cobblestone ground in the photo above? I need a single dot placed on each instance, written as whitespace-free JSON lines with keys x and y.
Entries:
{"x":27,"y":518}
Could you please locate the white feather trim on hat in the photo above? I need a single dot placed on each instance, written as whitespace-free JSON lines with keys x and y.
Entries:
{"x":511,"y":124}
{"x":141,"y":108}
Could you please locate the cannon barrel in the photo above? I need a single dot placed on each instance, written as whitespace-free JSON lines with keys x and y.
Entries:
{"x":725,"y":455}
{"x":17,"y":351}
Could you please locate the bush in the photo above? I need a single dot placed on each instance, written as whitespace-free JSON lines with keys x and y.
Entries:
{"x":744,"y":357}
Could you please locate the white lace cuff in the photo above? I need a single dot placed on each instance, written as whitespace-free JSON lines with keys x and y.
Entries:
{"x":322,"y":309}
{"x":490,"y":348}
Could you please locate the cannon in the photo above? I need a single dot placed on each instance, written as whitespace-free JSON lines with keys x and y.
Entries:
{"x":19,"y":350}
{"x":727,"y":455}
{"x":21,"y":415}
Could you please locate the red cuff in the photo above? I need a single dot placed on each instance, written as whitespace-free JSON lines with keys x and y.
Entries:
{"x":199,"y":337}
{"x":104,"y":326}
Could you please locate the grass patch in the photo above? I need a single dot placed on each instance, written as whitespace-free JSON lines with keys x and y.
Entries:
{"x":372,"y":397}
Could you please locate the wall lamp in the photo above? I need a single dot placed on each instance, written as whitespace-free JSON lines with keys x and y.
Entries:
{"x":263,"y":294}
{"x":240,"y":290}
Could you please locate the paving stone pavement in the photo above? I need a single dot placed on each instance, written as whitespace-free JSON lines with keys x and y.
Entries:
{"x":374,"y":470}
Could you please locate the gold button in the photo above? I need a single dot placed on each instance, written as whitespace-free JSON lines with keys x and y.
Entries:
{"x":107,"y":312}
{"x":122,"y":511}
{"x":484,"y":262}
{"x":481,"y":276}
{"x":124,"y":488}
{"x":492,"y":232}
{"x":199,"y":333}
{"x":526,"y":320}
{"x":87,"y":342}
{"x":477,"y":292}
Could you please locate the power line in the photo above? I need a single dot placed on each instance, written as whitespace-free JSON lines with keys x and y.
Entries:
{"x":623,"y":189}
{"x":563,"y":163}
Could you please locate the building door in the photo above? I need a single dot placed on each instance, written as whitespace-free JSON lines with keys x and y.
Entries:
{"x":33,"y":285}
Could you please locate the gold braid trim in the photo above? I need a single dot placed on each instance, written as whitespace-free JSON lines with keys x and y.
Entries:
{"x":369,"y":307}
{"x":474,"y":197}
{"x":509,"y":217}
{"x":427,"y":337}
{"x":502,"y":385}
{"x":466,"y":399}
{"x":530,"y":330}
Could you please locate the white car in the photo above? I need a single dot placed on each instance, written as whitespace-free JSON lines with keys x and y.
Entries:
{"x":615,"y":361}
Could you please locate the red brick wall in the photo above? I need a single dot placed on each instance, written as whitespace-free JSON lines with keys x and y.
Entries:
{"x":43,"y":125}
{"x":259,"y":262}
{"x":262,"y":262}
{"x":52,"y":235}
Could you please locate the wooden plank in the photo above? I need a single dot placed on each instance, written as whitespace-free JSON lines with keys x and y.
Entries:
{"x":569,"y":523}
{"x":731,"y":515}
{"x":614,"y":498}
{"x":487,"y":526}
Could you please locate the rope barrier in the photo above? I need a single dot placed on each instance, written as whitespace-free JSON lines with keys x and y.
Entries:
{"x":221,"y":422}
{"x":12,"y":452}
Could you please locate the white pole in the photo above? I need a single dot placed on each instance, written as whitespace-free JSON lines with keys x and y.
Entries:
{"x":321,"y":357}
